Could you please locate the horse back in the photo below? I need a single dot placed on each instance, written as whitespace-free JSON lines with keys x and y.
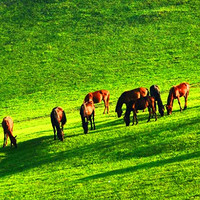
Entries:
{"x":7,"y":124}
{"x":87,"y":108}
{"x":134,"y":94}
{"x":181,"y":89}
{"x":155,"y":92}
{"x":58,"y":113}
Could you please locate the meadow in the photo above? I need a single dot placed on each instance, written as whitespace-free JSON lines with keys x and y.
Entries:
{"x":53,"y":53}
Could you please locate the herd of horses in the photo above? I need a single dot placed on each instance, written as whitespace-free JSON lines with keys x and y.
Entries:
{"x":136,"y":99}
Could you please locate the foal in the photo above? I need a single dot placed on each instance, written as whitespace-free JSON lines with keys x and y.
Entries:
{"x":7,"y":125}
{"x":140,"y":104}
{"x":87,"y":112}
{"x":58,"y":118}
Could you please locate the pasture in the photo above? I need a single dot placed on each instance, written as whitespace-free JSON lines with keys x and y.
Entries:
{"x":53,"y":53}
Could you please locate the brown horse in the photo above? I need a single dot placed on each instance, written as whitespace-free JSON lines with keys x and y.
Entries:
{"x":140,"y":104}
{"x":87,"y":111}
{"x":128,"y":96}
{"x":98,"y":96}
{"x":181,"y":90}
{"x":7,"y":125}
{"x":58,"y":118}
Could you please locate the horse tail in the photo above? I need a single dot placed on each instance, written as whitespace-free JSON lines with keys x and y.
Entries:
{"x":64,"y":118}
{"x":54,"y":121}
{"x":128,"y":112}
{"x":147,"y":91}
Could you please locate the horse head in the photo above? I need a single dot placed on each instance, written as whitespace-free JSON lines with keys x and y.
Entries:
{"x":161,"y":111}
{"x":14,"y":141}
{"x":85,"y":127}
{"x":169,"y":109}
{"x":119,"y":112}
{"x":127,"y":120}
{"x":60,"y":135}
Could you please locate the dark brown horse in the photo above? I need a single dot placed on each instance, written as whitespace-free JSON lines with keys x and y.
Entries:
{"x":155,"y":92}
{"x":98,"y":96}
{"x":87,"y":112}
{"x":140,"y":104}
{"x":181,"y":90}
{"x":58,"y":120}
{"x":128,"y":96}
{"x":7,"y":125}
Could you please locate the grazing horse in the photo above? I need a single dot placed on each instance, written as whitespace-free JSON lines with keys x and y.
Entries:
{"x":181,"y":90}
{"x":155,"y":92}
{"x":140,"y":104}
{"x":127,"y":96}
{"x":58,"y":118}
{"x":98,"y":96}
{"x":7,"y":125}
{"x":87,"y":111}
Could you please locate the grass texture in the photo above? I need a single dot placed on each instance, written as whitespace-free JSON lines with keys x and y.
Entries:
{"x":53,"y":53}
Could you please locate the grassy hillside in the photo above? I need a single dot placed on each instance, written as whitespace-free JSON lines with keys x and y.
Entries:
{"x":53,"y":53}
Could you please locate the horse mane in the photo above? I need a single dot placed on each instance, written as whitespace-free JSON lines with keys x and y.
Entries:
{"x":64,"y":118}
{"x":171,"y":93}
{"x":120,"y":101}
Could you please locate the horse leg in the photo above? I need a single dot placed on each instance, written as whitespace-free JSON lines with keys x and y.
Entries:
{"x":186,"y":97}
{"x":105,"y":107}
{"x":90,"y":119}
{"x":179,"y":103}
{"x":135,"y":116}
{"x":149,"y":109}
{"x":154,"y":112}
{"x":54,"y":130}
{"x":93,"y":119}
{"x":5,"y":139}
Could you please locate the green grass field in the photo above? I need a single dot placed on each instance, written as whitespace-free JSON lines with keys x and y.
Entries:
{"x":53,"y":53}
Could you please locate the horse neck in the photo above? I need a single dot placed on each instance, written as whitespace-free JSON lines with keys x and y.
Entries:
{"x":160,"y":103}
{"x":170,"y":98}
{"x":120,"y":102}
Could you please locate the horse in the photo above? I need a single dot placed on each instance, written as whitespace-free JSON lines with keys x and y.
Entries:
{"x":155,"y":92}
{"x":140,"y":104}
{"x":7,"y":125}
{"x":87,"y":112}
{"x":128,"y":96}
{"x":98,"y":96}
{"x":181,"y":90}
{"x":58,"y":120}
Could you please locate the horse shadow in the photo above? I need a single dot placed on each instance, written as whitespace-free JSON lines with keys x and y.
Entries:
{"x":146,"y":166}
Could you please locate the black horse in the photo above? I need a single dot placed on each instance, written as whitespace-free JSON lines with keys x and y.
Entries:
{"x":58,"y":117}
{"x":155,"y":92}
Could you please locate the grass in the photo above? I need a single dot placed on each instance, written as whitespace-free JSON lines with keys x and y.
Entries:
{"x":53,"y":53}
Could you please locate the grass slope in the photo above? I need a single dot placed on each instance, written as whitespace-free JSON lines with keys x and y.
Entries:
{"x":53,"y":53}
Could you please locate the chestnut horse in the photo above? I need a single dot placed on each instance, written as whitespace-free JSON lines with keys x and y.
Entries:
{"x":7,"y":125}
{"x":58,"y":118}
{"x":127,"y":96}
{"x":181,"y":90}
{"x":140,"y":104}
{"x":98,"y":96}
{"x":155,"y":92}
{"x":87,"y":111}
